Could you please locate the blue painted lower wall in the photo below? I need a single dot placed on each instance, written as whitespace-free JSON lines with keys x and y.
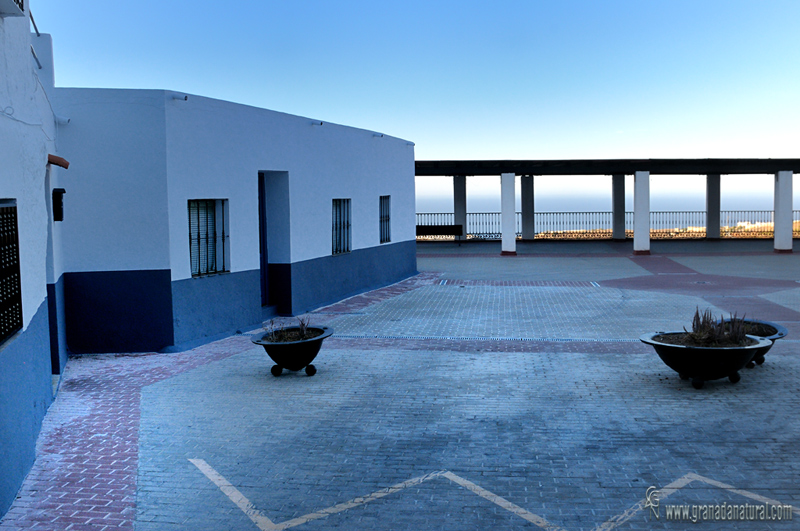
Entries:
{"x":325,"y":280}
{"x":118,"y":311}
{"x":25,"y":394}
{"x":213,"y":305}
{"x":137,"y":311}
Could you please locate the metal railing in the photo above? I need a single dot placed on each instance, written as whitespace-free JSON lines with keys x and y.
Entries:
{"x":599,"y":225}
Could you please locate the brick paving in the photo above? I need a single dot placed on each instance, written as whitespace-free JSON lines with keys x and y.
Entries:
{"x":521,"y":402}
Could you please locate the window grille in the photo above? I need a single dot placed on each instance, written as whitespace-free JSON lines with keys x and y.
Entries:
{"x":20,"y":4}
{"x":385,"y":216}
{"x":10,"y":287}
{"x":341,"y":226}
{"x":208,"y":238}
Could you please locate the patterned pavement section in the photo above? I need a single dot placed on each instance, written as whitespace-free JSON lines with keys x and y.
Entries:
{"x":542,"y":412}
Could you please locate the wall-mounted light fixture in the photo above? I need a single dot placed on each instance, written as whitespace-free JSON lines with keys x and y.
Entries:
{"x":316,"y":123}
{"x":62,"y":120}
{"x":178,"y":96}
{"x":379,"y":135}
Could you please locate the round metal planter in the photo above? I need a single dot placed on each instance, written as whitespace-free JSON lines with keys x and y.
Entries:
{"x":701,"y":364}
{"x":767,"y":330}
{"x":295,"y":355}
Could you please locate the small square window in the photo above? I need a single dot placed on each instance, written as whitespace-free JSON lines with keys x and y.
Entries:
{"x":209,"y":250}
{"x":341,"y":226}
{"x":385,"y":218}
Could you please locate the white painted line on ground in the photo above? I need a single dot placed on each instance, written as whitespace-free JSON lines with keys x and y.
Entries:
{"x":502,"y":502}
{"x":630,"y":513}
{"x":358,"y":501}
{"x":263,"y":523}
{"x":740,"y":492}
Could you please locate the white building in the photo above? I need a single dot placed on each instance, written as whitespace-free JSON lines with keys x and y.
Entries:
{"x":28,"y":255}
{"x":183,"y":218}
{"x":147,"y":164}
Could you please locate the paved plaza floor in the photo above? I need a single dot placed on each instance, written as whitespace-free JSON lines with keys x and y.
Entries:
{"x":486,"y":392}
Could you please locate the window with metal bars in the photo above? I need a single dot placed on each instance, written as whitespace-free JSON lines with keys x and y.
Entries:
{"x":385,"y":217}
{"x":341,"y":226}
{"x":208,"y":236}
{"x":10,"y":285}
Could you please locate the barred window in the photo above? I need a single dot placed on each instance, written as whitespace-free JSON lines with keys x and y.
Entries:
{"x":10,"y":286}
{"x":385,"y":217}
{"x":341,"y":226}
{"x":208,"y":236}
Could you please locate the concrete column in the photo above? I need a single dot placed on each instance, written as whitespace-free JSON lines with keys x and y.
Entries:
{"x":641,"y":212}
{"x":460,"y":203}
{"x":507,"y":224}
{"x":783,"y":212}
{"x":618,"y":207}
{"x":528,"y":224}
{"x":713,"y":206}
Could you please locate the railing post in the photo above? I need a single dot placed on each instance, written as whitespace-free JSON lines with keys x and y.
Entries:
{"x":713,"y":206}
{"x":641,"y":212}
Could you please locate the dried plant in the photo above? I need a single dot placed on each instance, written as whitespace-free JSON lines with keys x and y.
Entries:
{"x":280,"y":333}
{"x":274,"y":332}
{"x":303,"y":325}
{"x":707,"y":331}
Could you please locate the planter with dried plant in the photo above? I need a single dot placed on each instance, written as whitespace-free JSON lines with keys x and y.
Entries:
{"x":713,"y":349}
{"x":294,"y":347}
{"x":767,"y":330}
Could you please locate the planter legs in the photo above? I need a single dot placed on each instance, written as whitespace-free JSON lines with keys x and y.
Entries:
{"x":734,"y":377}
{"x":277,"y":370}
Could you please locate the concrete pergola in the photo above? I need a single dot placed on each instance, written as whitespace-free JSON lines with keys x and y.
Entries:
{"x":641,"y":169}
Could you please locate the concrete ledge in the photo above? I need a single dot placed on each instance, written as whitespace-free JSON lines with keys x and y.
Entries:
{"x":508,"y":253}
{"x":641,"y":253}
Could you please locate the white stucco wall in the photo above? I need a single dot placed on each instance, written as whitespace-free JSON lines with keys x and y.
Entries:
{"x":115,"y":208}
{"x":216,"y":149}
{"x":27,"y":135}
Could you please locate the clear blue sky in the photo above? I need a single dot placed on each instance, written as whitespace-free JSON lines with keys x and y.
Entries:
{"x":466,"y":79}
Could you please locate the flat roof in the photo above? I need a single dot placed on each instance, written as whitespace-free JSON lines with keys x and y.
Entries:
{"x":605,"y":166}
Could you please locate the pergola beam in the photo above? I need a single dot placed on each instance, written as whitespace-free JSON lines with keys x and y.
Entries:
{"x":700,"y":167}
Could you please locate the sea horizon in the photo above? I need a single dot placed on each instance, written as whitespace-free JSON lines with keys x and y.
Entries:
{"x":596,"y":203}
